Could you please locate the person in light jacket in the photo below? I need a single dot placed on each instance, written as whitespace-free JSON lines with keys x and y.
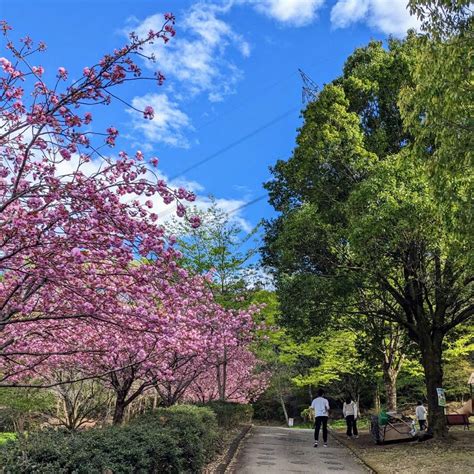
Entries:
{"x":421,"y":415}
{"x":350,"y":412}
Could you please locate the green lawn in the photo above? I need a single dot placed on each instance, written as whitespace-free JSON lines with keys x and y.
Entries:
{"x":4,"y":437}
{"x":362,"y":423}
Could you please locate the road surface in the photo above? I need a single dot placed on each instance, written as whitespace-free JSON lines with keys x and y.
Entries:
{"x":275,"y":450}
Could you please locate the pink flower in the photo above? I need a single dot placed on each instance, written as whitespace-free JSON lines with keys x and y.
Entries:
{"x":148,"y":113}
{"x":160,"y":78}
{"x":64,"y":152}
{"x":77,"y":253}
{"x":62,"y":73}
{"x":38,"y":70}
{"x":195,"y":221}
{"x":5,"y":63}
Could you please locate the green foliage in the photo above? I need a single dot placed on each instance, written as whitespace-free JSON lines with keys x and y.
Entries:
{"x":194,"y":428}
{"x":459,"y":362}
{"x":338,"y":360}
{"x":437,"y":107}
{"x":230,"y":415}
{"x":360,"y":230}
{"x":4,"y":437}
{"x":22,"y":408}
{"x":219,"y":245}
{"x":442,"y":18}
{"x":176,"y":440}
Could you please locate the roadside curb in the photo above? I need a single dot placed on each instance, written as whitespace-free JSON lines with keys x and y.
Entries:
{"x":354,"y":452}
{"x":233,"y":448}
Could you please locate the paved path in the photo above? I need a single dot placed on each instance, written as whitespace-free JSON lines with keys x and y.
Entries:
{"x":283,"y":450}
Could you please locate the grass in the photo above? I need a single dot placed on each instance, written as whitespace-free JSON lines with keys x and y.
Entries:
{"x":430,"y":457}
{"x":338,"y":425}
{"x":4,"y":437}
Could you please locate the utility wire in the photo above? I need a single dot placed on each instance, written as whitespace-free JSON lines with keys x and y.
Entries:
{"x":248,"y":99}
{"x":247,"y":204}
{"x":235,"y":143}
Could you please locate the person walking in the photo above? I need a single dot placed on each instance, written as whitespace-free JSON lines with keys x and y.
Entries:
{"x":350,"y":412}
{"x":320,"y":405}
{"x":421,"y":415}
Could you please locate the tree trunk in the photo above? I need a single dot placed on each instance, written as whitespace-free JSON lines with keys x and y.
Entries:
{"x":431,"y":353}
{"x":390,"y":382}
{"x":377,"y":399}
{"x":119,"y":409}
{"x":223,"y":394}
{"x":282,"y":401}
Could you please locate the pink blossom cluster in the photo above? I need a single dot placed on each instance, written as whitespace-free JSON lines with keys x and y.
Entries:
{"x":62,"y":201}
{"x":171,"y":335}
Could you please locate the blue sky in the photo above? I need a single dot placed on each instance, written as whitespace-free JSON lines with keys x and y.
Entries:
{"x":232,"y":72}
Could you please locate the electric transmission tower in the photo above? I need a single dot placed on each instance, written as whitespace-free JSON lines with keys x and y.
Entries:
{"x":310,"y":88}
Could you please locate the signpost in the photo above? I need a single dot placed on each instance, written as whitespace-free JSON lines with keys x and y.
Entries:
{"x":441,"y":397}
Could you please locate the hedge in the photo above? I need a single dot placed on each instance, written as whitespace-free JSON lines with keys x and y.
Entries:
{"x":194,"y":428}
{"x":180,"y":439}
{"x":229,"y":414}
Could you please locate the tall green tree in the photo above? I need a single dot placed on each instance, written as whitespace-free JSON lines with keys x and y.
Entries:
{"x":358,"y":220}
{"x":437,"y":107}
{"x":219,"y":245}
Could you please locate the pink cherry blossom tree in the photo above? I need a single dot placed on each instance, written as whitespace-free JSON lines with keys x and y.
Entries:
{"x":65,"y":203}
{"x":88,"y":280}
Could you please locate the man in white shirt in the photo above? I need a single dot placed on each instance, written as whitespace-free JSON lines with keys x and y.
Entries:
{"x":320,"y":405}
{"x":421,"y":415}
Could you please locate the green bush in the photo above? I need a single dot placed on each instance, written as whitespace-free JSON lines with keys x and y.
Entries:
{"x":194,"y":427}
{"x":173,"y":440}
{"x":229,"y":415}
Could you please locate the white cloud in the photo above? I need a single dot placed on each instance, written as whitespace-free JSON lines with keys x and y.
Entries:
{"x":231,"y":206}
{"x":167,"y":126}
{"x":389,"y":16}
{"x":165,"y":212}
{"x":198,"y":56}
{"x":346,"y":12}
{"x":289,"y":12}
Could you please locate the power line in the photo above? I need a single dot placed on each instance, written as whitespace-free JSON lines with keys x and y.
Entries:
{"x":235,"y":143}
{"x":243,"y":103}
{"x":247,"y":204}
{"x":309,"y":93}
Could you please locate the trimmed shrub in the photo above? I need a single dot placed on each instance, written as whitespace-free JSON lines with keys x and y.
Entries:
{"x":230,"y":414}
{"x":173,"y":440}
{"x":119,"y":450}
{"x":194,"y":427}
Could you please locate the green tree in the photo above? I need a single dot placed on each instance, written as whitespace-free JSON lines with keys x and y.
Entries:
{"x":437,"y":107}
{"x":357,"y":218}
{"x":397,"y":237}
{"x":271,"y":348}
{"x":25,"y":407}
{"x":219,"y":245}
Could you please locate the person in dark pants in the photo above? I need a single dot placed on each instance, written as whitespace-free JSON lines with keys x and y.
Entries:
{"x":421,"y":415}
{"x":320,"y":405}
{"x":349,"y":410}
